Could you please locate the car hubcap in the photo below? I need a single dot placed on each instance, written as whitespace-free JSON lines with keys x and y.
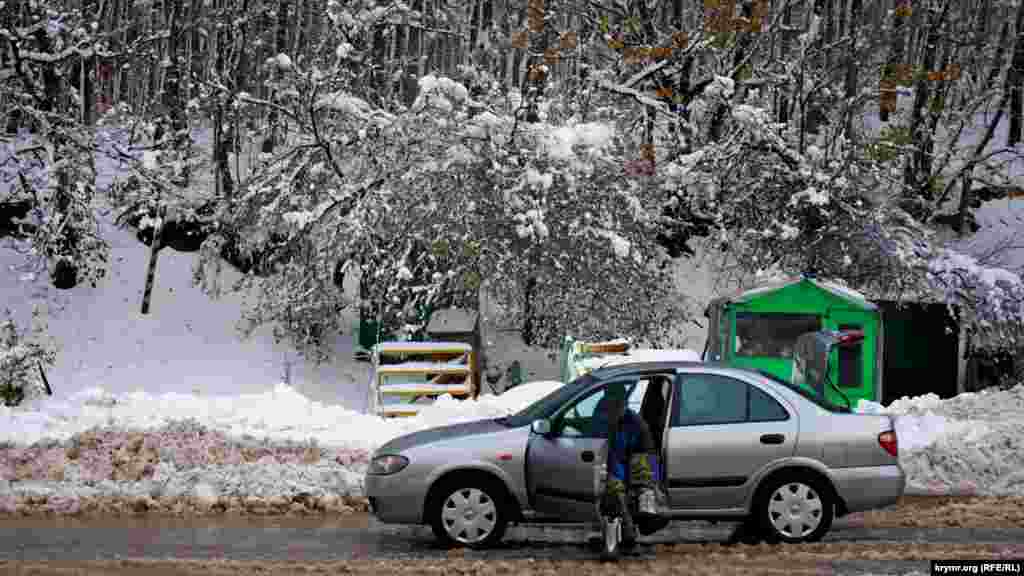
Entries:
{"x":469,"y":515}
{"x":795,"y":510}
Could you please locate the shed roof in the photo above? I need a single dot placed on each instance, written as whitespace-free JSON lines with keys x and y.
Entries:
{"x":833,"y":288}
{"x":452,"y":321}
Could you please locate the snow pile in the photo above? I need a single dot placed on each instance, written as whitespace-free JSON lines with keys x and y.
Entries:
{"x":973,"y":443}
{"x":276,"y":452}
{"x":176,"y":467}
{"x":279,"y":452}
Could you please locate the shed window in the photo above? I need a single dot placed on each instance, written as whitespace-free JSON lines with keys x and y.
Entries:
{"x":760,"y":334}
{"x":851,"y":361}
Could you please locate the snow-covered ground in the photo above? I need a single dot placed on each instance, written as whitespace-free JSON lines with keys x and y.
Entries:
{"x":280,"y":451}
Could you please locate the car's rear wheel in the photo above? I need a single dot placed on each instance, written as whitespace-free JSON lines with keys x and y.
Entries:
{"x":794,"y":508}
{"x":470,"y":512}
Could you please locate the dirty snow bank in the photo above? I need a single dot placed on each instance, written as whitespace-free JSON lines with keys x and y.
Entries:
{"x":970,"y":444}
{"x":279,"y":452}
{"x":275,"y":452}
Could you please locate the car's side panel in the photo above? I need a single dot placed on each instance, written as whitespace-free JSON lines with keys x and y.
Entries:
{"x":716,"y":466}
{"x":560,"y":476}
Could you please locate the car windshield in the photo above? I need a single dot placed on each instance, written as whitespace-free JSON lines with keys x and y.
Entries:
{"x":547,"y":405}
{"x":805,"y":393}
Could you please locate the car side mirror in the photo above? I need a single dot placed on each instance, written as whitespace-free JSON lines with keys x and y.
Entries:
{"x":541,"y":427}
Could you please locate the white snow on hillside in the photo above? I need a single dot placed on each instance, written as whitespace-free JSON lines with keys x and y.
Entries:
{"x":264,"y":451}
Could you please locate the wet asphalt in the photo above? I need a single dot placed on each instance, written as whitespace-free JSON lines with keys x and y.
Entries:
{"x":361,"y":537}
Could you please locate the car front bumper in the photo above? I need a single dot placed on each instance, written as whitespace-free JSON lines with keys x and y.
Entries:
{"x":869,"y":488}
{"x":395,"y":499}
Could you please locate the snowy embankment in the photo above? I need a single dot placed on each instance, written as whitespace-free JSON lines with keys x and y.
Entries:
{"x":279,"y":452}
{"x":175,"y":453}
{"x":970,"y":444}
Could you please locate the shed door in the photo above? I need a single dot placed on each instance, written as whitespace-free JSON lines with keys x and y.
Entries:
{"x":853,"y":366}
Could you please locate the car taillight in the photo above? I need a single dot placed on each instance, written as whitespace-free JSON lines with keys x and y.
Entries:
{"x":887,"y":440}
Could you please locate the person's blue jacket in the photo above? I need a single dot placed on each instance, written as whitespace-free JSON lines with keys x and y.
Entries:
{"x":628,"y":441}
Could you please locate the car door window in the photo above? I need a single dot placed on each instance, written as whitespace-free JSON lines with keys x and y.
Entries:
{"x":636,"y":399}
{"x":764,"y":408}
{"x":714,"y":399}
{"x":578,"y":418}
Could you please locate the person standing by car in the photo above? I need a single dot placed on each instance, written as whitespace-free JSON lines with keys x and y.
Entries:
{"x":631,"y":454}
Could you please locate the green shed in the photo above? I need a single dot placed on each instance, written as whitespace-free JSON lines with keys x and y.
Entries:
{"x":758,"y":329}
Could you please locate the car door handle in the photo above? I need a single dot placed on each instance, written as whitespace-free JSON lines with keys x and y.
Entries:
{"x":587,"y":456}
{"x":772,"y":439}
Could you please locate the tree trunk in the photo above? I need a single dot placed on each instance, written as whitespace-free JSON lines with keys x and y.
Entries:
{"x":85,"y":77}
{"x":965,"y":195}
{"x":828,"y":35}
{"x":379,"y":74}
{"x":529,"y":326}
{"x":240,"y":81}
{"x":487,"y":32}
{"x":842,"y":24}
{"x":918,"y":169}
{"x":784,"y":104}
{"x":414,"y":48}
{"x":887,"y":90}
{"x":981,"y":33}
{"x":280,"y":47}
{"x":535,"y":80}
{"x":154,"y":253}
{"x":1015,"y":83}
{"x":517,"y":56}
{"x":1000,"y":55}
{"x":172,"y":80}
{"x":852,"y":65}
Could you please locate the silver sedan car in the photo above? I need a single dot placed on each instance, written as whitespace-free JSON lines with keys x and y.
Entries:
{"x":735,"y":445}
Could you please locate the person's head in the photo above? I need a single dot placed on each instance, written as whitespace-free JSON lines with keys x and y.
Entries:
{"x":616,"y":400}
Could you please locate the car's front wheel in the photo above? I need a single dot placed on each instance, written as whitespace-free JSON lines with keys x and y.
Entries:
{"x":794,"y":508}
{"x":471,"y":512}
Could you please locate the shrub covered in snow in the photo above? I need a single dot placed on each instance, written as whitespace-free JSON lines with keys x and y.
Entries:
{"x":22,"y":361}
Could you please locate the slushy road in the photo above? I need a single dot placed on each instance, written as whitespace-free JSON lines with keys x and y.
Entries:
{"x":361,"y":537}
